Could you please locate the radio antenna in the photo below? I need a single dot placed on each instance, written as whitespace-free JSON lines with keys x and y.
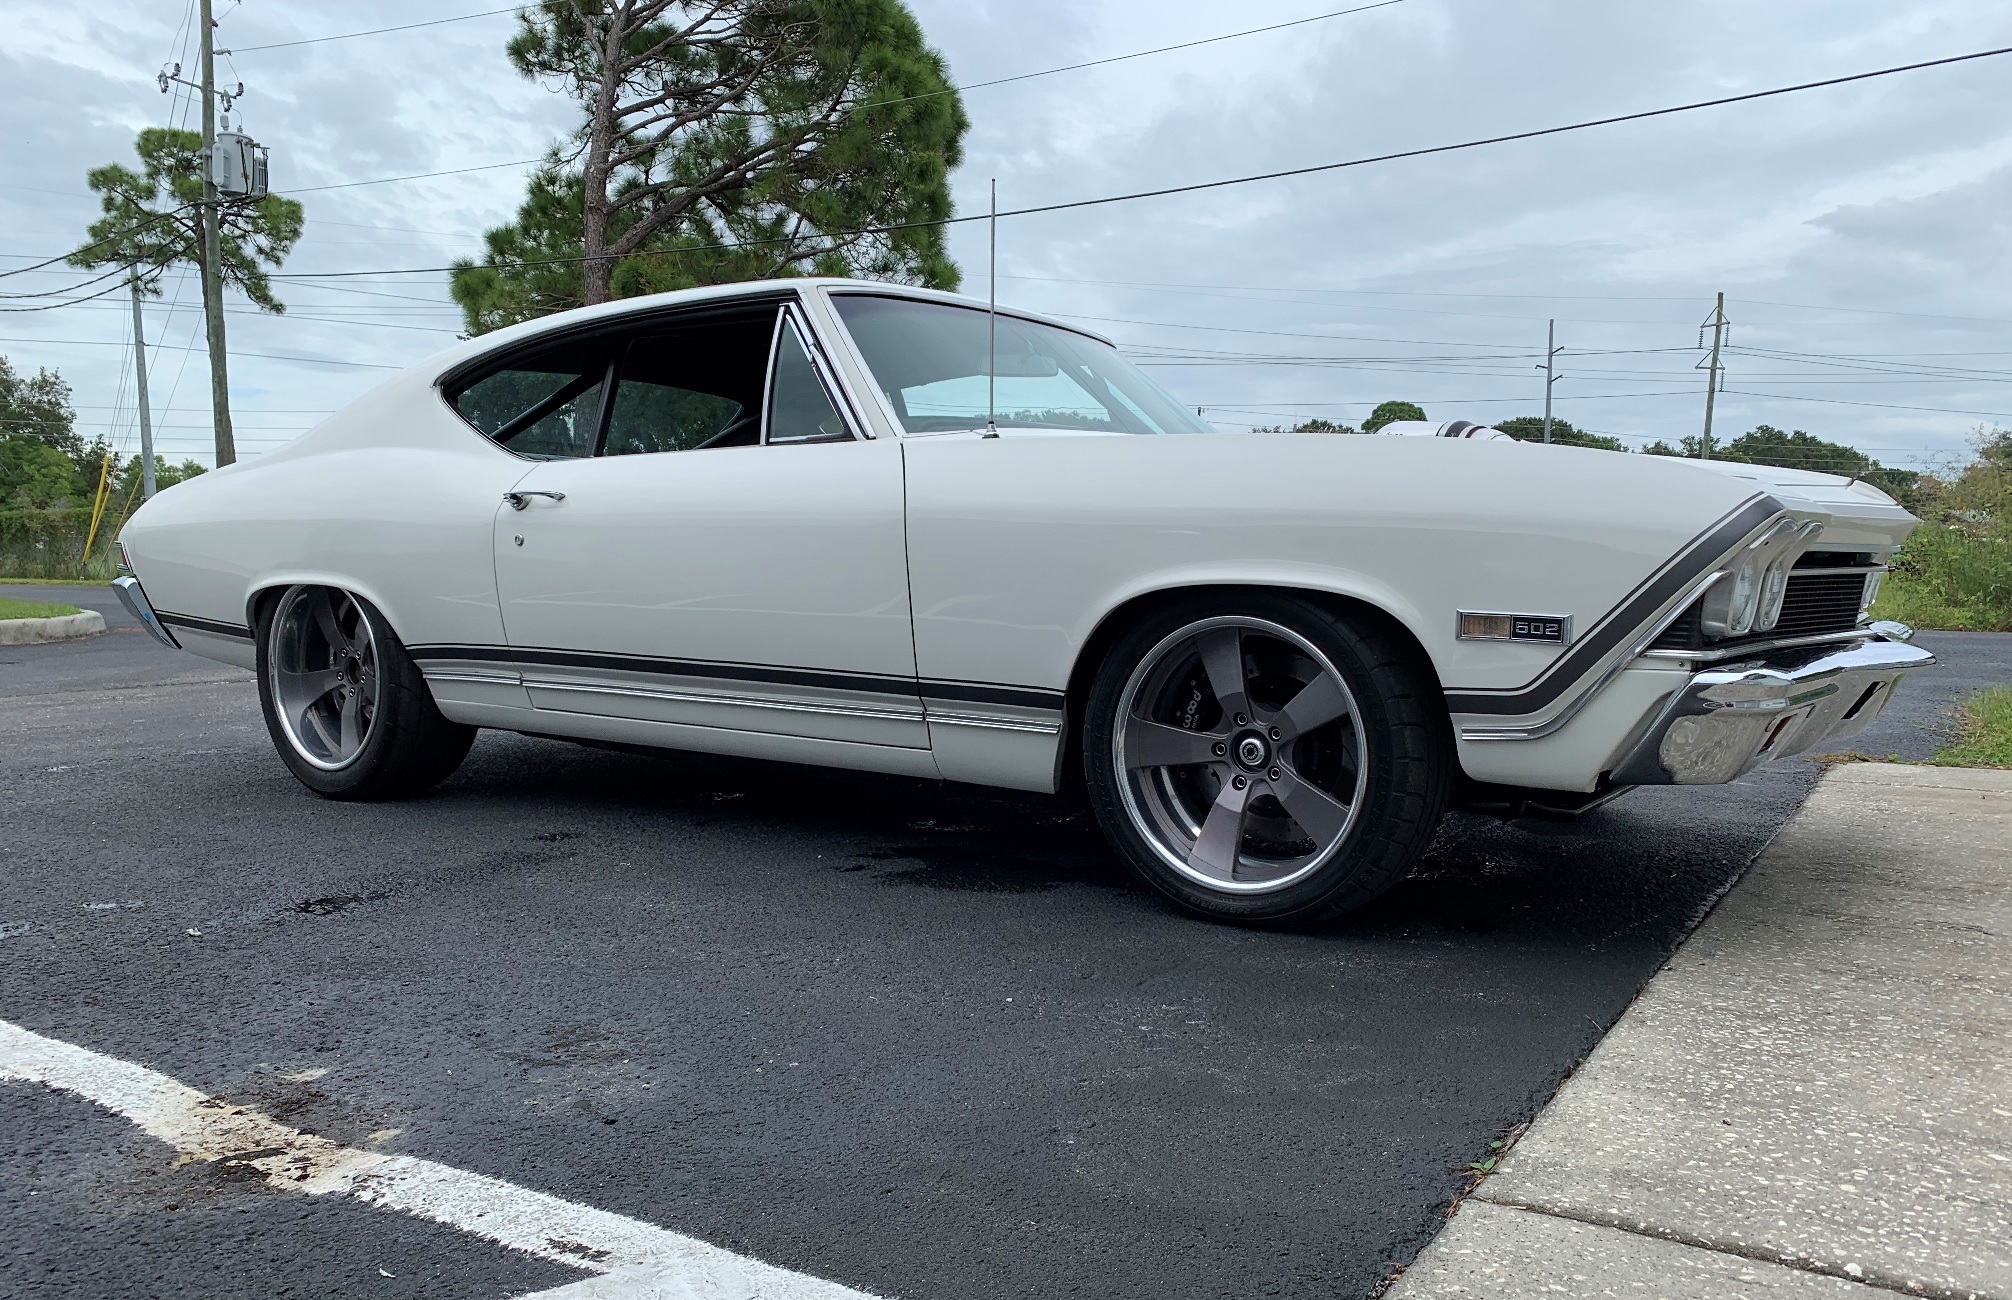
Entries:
{"x":992,"y":318}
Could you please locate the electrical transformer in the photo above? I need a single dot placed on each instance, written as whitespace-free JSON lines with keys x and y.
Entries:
{"x":238,"y":166}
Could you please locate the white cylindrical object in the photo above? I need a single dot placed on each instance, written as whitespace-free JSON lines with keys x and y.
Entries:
{"x":1451,"y":429}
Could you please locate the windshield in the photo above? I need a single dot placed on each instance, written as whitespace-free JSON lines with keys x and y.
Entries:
{"x":930,"y":361}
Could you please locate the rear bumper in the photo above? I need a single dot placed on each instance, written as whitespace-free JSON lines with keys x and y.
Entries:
{"x":136,"y":603}
{"x":1726,"y":721}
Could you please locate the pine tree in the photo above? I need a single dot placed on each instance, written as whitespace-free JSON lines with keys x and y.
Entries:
{"x":151,"y":223}
{"x":777,"y":126}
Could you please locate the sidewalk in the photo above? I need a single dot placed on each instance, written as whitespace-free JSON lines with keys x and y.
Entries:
{"x":1813,"y":1099}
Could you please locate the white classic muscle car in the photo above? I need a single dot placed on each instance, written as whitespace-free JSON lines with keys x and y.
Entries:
{"x":873,"y":527}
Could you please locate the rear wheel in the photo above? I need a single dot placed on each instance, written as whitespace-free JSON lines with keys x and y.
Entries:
{"x":1263,"y":758}
{"x":347,"y":708}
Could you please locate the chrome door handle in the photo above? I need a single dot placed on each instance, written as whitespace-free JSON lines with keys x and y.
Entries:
{"x":519,"y":500}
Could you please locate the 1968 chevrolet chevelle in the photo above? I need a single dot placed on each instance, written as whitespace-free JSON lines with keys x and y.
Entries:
{"x":860,"y":525}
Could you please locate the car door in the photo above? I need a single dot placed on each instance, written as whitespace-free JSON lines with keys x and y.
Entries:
{"x":714,"y":545}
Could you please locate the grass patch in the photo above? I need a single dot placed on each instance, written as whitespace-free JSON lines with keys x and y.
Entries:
{"x":1984,"y":736}
{"x":55,"y":582}
{"x":1946,"y":579}
{"x":29,"y":609}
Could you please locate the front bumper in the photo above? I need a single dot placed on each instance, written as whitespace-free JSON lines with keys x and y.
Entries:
{"x":1735,"y":716}
{"x":136,"y":603}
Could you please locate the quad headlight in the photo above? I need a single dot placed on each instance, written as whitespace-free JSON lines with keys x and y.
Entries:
{"x":1749,"y":597}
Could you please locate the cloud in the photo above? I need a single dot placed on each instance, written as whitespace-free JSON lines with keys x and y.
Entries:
{"x":1431,"y":279}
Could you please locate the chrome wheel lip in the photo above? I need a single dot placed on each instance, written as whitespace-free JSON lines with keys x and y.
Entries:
{"x":291,"y":699}
{"x":1145,"y":824}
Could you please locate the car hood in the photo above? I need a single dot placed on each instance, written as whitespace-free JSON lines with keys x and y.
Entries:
{"x":1856,"y":512}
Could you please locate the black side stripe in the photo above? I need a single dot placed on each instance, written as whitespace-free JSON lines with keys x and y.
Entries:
{"x":209,"y":625}
{"x":972,"y":692}
{"x":981,"y":693}
{"x":1625,"y":619}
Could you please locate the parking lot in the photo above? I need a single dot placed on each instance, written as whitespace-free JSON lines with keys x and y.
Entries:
{"x":921,"y":1040}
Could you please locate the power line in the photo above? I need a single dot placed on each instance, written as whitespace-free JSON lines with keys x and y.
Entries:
{"x":1140,"y":54}
{"x":375,"y":31}
{"x":417,"y":176}
{"x":1167,"y":191}
{"x":160,"y":347}
{"x":1875,"y":311}
{"x":1391,"y":293}
{"x":1890,"y":406}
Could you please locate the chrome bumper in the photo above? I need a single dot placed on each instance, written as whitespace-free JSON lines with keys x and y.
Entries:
{"x":1728,"y":720}
{"x":135,"y":601}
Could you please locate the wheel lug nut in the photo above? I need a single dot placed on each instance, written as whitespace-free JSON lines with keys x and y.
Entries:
{"x":1275,"y":774}
{"x":1242,"y":720}
{"x":1221,"y":749}
{"x":1238,"y":782}
{"x":1276,"y":734}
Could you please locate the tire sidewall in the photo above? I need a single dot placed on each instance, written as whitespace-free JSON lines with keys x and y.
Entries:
{"x":1366,"y":843}
{"x":358,"y":774}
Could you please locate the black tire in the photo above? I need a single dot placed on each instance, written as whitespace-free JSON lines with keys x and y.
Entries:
{"x":1388,"y":761}
{"x":407,"y":746}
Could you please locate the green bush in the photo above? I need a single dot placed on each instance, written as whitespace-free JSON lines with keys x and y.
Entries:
{"x":50,"y":544}
{"x":1944,"y":577}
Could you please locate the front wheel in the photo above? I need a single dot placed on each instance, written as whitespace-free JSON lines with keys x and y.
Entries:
{"x":348,"y":710}
{"x":1263,"y":758}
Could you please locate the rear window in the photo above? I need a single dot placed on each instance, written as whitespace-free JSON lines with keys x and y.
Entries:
{"x":545,"y":405}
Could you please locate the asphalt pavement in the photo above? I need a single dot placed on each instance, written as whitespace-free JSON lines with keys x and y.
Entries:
{"x":922,"y":1040}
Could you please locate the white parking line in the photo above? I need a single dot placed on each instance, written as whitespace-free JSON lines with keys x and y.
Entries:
{"x":635,"y":1259}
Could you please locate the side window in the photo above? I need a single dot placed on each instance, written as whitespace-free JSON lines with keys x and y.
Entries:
{"x":715,"y":378}
{"x":691,"y":384}
{"x":664,"y":417}
{"x":546,"y":406}
{"x":799,"y":408}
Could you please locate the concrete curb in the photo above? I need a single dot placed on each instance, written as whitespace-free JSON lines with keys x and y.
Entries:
{"x":1808,"y":1100}
{"x":36,"y":631}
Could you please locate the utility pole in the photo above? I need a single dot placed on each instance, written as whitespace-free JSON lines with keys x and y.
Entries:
{"x":1551,"y":350}
{"x":213,"y":280}
{"x":140,"y":379}
{"x":1715,"y":372}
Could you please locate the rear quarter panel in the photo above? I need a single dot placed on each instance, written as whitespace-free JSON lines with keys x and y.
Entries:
{"x":394,"y":498}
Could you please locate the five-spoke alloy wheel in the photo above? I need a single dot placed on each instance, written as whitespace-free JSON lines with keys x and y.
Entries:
{"x":1267,"y":758}
{"x":348,"y":710}
{"x":322,"y":668}
{"x":1241,"y":755}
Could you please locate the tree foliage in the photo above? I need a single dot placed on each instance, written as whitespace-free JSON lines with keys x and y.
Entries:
{"x":1390,"y":413}
{"x":127,"y":479}
{"x":151,"y":220}
{"x":43,"y":460}
{"x":1314,"y":425}
{"x":34,"y":475}
{"x":782,"y":128}
{"x":38,"y":408}
{"x":1530,"y":428}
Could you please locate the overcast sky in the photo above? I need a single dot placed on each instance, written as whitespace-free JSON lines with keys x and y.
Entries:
{"x":1862,"y":234}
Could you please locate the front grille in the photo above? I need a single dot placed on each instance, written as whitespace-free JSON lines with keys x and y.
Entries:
{"x":1687,"y":633}
{"x":1820,"y":602}
{"x":1815,"y":604}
